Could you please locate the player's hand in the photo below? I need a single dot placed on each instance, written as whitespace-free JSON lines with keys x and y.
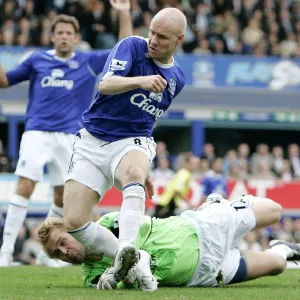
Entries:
{"x":150,"y":187}
{"x":120,"y":5}
{"x":107,"y":280}
{"x":153,"y":83}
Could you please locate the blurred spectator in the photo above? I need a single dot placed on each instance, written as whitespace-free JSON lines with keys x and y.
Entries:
{"x":9,"y":10}
{"x":235,"y":172}
{"x":251,"y":242}
{"x":261,"y":160}
{"x":214,"y":181}
{"x":178,"y":187}
{"x":5,"y":164}
{"x":82,"y":45}
{"x":243,"y":155}
{"x":255,"y":27}
{"x":203,"y":48}
{"x":230,"y":159}
{"x":162,"y":172}
{"x":278,"y":161}
{"x":8,"y":32}
{"x":273,"y":231}
{"x":289,"y":46}
{"x":296,"y":230}
{"x":286,"y":231}
{"x":203,"y":168}
{"x":252,"y":34}
{"x":294,"y":158}
{"x":209,"y":153}
{"x":99,"y":22}
{"x":161,"y":152}
{"x":144,"y":29}
{"x":262,"y":171}
{"x":231,"y":38}
{"x":286,"y":174}
{"x":31,"y":247}
{"x":202,"y":17}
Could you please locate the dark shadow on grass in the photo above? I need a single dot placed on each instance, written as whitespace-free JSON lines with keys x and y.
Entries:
{"x":257,"y":286}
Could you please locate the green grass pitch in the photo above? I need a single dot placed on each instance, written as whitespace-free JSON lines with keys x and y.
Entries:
{"x":28,"y":282}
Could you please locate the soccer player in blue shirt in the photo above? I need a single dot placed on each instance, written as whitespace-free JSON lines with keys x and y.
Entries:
{"x":139,"y":82}
{"x":61,"y":88}
{"x":214,"y":181}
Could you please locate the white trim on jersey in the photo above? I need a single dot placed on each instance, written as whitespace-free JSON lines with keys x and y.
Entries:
{"x":52,"y":53}
{"x":164,"y":66}
{"x":91,"y":71}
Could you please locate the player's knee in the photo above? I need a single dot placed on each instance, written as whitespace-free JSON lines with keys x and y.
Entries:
{"x":25,"y":187}
{"x":266,"y":208}
{"x":72,"y":223}
{"x":135,"y":174}
{"x":277,"y":211}
{"x":278,"y":266}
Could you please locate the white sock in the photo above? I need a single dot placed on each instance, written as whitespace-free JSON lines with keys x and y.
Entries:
{"x":132,"y":212}
{"x":55,"y":211}
{"x":97,"y":239}
{"x":282,"y":250}
{"x":16,"y":214}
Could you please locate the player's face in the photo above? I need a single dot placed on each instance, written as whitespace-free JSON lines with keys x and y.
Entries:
{"x":163,"y":41}
{"x":65,"y":247}
{"x":64,"y":38}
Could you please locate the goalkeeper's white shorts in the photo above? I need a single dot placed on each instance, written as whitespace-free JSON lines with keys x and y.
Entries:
{"x":220,"y":228}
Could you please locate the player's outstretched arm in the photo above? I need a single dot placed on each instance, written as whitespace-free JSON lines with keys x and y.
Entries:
{"x":125,"y":21}
{"x":3,"y":78}
{"x":117,"y":84}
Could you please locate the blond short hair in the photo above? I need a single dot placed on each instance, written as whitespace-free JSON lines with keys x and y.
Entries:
{"x":45,"y":230}
{"x":65,"y":19}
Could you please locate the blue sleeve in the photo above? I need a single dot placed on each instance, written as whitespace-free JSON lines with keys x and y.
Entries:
{"x":225,"y":187}
{"x":21,"y":73}
{"x":206,"y":186}
{"x":120,"y":59}
{"x":97,"y":61}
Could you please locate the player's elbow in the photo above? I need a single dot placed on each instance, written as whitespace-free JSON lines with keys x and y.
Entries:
{"x":4,"y":84}
{"x":104,"y":88}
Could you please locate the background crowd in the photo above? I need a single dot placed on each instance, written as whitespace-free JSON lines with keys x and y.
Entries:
{"x":265,"y":163}
{"x":256,"y":27}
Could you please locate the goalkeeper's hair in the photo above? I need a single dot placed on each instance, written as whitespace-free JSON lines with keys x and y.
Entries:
{"x":45,"y":229}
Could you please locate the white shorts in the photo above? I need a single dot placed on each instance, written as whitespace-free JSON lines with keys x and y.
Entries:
{"x":220,"y":228}
{"x":94,"y":161}
{"x":39,"y":148}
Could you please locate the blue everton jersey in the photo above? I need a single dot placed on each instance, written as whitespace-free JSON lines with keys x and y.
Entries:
{"x":60,"y":90}
{"x":214,"y":183}
{"x":133,"y":113}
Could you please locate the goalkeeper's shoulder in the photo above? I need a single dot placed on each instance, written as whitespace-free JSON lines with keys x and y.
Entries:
{"x":109,"y":220}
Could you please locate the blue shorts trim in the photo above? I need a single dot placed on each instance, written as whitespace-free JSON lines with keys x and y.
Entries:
{"x":241,"y":273}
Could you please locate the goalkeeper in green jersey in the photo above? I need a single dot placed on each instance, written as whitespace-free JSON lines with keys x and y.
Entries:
{"x":197,"y":248}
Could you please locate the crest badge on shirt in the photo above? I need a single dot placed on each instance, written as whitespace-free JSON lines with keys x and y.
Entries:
{"x":117,"y":65}
{"x":73,"y":64}
{"x":172,"y":85}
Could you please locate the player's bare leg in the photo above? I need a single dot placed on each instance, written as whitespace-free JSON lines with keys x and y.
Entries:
{"x":266,"y":212}
{"x":263,"y":264}
{"x":131,"y":174}
{"x":79,"y":201}
{"x":16,"y":214}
